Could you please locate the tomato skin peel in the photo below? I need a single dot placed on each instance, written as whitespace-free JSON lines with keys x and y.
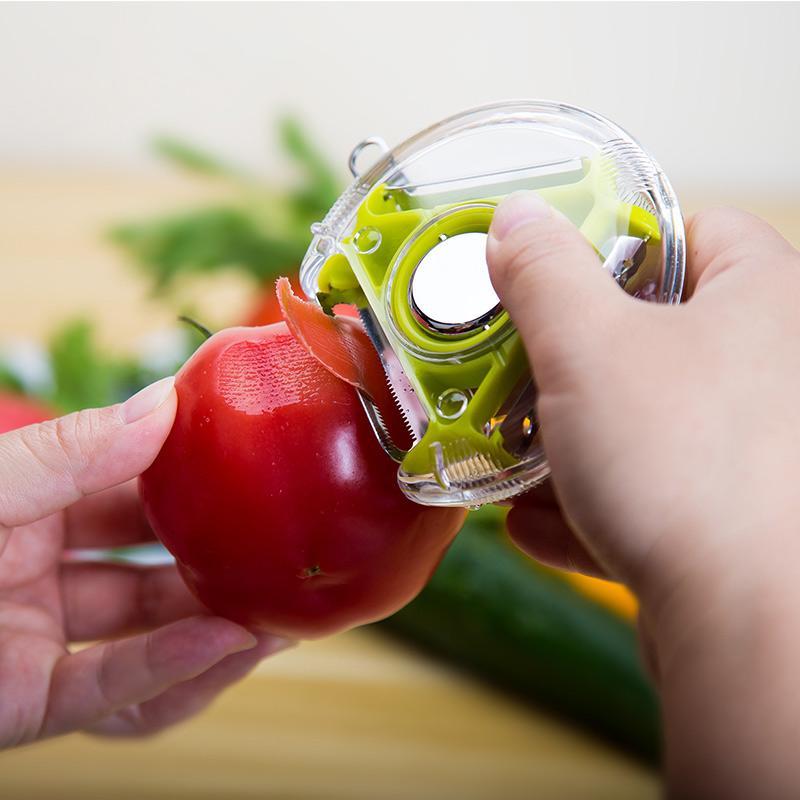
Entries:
{"x":279,"y":505}
{"x":340,"y":344}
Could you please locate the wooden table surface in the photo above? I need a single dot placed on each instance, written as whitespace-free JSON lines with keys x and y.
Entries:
{"x":355,"y":716}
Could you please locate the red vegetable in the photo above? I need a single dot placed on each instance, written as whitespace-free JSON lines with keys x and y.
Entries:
{"x":17,"y":411}
{"x":279,"y":505}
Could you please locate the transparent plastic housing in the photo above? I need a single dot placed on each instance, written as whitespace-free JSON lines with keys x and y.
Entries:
{"x":405,"y":243}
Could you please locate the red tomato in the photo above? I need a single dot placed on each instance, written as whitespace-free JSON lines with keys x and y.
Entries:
{"x":276,"y":500}
{"x":17,"y":411}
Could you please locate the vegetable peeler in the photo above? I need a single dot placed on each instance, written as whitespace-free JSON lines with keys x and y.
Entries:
{"x":405,"y":244}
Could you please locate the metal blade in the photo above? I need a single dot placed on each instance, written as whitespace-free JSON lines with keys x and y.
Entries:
{"x":411,"y":412}
{"x":625,"y":258}
{"x":379,"y":428}
{"x":519,"y":426}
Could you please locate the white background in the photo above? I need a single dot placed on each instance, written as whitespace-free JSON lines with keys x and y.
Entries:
{"x":712,"y":90}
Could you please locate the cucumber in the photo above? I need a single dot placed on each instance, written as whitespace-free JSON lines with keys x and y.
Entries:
{"x":495,"y":612}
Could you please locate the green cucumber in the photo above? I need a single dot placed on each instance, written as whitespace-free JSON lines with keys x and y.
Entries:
{"x":496,"y":613}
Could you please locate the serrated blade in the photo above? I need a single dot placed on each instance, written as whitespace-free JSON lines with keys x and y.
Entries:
{"x":405,"y":399}
{"x":379,"y":428}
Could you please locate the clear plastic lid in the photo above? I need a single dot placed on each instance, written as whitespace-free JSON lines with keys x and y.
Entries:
{"x":405,"y":243}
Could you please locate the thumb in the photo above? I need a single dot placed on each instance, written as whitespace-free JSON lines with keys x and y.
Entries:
{"x":47,"y":467}
{"x":550,"y":281}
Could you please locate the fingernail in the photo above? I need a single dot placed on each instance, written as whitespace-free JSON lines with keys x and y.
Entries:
{"x":248,"y":641}
{"x":147,"y":400}
{"x":517,"y":209}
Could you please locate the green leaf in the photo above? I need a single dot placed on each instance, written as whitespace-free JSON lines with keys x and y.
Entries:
{"x":206,"y":240}
{"x":83,"y":378}
{"x":264,"y":233}
{"x":193,"y":159}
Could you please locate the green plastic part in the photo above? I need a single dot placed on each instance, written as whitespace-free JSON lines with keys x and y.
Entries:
{"x":463,"y":380}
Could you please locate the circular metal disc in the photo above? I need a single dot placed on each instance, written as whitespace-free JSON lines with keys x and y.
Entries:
{"x":450,"y":290}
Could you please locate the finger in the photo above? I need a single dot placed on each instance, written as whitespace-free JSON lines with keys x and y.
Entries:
{"x":47,"y":467}
{"x":110,"y":518}
{"x":540,"y":496}
{"x":720,"y":238}
{"x":550,"y":281}
{"x":102,"y":600}
{"x":187,"y":699}
{"x":538,"y":528}
{"x":100,"y":681}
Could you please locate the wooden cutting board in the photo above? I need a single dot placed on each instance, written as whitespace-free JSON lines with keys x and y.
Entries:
{"x":356,"y":716}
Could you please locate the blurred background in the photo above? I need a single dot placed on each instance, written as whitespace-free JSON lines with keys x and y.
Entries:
{"x":160,"y":158}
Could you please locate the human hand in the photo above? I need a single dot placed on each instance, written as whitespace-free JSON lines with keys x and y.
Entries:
{"x":68,"y":483}
{"x":673,"y":440}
